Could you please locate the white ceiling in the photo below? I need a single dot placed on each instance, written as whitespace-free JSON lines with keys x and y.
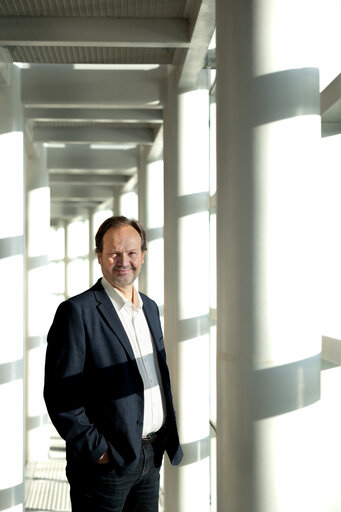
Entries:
{"x":95,"y":73}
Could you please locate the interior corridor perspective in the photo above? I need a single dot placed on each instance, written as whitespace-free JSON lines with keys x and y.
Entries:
{"x":216,"y":123}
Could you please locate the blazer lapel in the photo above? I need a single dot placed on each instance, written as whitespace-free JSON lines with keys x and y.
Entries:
{"x":108,"y":311}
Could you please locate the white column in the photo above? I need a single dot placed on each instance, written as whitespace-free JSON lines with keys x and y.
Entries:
{"x":142,"y":205}
{"x":38,"y":226}
{"x":92,"y":255}
{"x":268,"y":129}
{"x":66,"y":260}
{"x":117,"y":200}
{"x":12,"y":297}
{"x":186,"y":232}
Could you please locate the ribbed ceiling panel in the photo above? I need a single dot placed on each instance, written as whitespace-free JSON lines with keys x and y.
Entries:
{"x":85,"y":124}
{"x":91,"y":55}
{"x":90,"y":8}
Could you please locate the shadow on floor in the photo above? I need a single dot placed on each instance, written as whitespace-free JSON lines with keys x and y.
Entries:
{"x":47,"y":489}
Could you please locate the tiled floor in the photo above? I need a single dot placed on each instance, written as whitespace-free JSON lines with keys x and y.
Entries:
{"x":46,"y":485}
{"x":47,"y":489}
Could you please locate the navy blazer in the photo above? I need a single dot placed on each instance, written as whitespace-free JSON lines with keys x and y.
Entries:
{"x":93,"y":390}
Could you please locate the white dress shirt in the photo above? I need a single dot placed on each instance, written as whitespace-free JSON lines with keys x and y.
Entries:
{"x":137,"y":330}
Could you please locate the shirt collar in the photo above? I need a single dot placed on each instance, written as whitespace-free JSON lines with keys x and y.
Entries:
{"x":119,"y":299}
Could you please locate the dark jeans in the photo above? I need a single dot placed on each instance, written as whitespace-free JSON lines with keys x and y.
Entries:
{"x":105,"y":491}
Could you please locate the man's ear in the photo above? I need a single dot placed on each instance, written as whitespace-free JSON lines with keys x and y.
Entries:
{"x":99,"y":257}
{"x":143,"y":255}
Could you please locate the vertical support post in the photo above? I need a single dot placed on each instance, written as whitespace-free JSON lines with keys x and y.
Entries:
{"x":38,"y":226}
{"x":186,"y":232}
{"x":268,"y":365}
{"x":12,"y":296}
{"x":117,"y":200}
{"x":142,"y":204}
{"x":66,"y":260}
{"x":91,"y":247}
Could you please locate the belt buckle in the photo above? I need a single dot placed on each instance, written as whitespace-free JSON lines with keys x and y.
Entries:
{"x":149,"y":438}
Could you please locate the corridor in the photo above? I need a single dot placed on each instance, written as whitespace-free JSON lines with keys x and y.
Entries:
{"x":217,"y":124}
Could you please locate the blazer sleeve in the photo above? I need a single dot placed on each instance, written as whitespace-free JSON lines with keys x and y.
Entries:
{"x":64,"y":391}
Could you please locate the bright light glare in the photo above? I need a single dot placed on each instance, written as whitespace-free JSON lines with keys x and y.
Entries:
{"x":17,"y":508}
{"x":213,"y":41}
{"x":38,"y":201}
{"x":129,"y":205}
{"x":213,"y":256}
{"x":55,"y":145}
{"x":330,"y":254}
{"x":11,"y":439}
{"x":35,"y":366}
{"x":56,"y":270}
{"x":193,"y":419}
{"x":56,"y":244}
{"x":330,"y":433}
{"x":12,"y":327}
{"x":213,"y":149}
{"x":122,"y":146}
{"x":194,"y":275}
{"x":78,"y":273}
{"x":274,"y":51}
{"x":154,"y":260}
{"x":154,"y":192}
{"x":99,"y":217}
{"x":38,"y":288}
{"x":277,"y":440}
{"x":329,"y":41}
{"x":12,"y":190}
{"x":286,"y":258}
{"x":194,"y":154}
{"x":116,"y":67}
{"x":78,"y":238}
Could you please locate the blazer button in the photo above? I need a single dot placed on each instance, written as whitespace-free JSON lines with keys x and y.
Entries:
{"x":139,"y":423}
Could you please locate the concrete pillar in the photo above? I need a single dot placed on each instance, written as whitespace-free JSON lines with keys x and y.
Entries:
{"x":38,"y":226}
{"x":142,"y":204}
{"x":186,"y":232}
{"x":66,"y":260}
{"x":151,"y":214}
{"x":117,"y":200}
{"x":268,"y":129}
{"x":92,"y":255}
{"x":12,"y":296}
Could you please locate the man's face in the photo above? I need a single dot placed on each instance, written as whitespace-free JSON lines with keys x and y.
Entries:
{"x":122,"y":257}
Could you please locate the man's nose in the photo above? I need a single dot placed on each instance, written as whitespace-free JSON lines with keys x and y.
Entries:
{"x":123,"y":259}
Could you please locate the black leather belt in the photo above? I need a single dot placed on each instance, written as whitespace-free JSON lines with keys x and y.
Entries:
{"x":149,"y":438}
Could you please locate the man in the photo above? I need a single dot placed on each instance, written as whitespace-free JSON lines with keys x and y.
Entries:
{"x":107,"y":386}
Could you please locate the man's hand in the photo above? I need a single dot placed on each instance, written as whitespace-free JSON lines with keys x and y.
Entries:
{"x":104,"y":459}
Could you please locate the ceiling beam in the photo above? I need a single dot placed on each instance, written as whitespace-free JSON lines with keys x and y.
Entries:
{"x":203,"y":29}
{"x":96,"y":31}
{"x":88,"y":179}
{"x":330,"y":129}
{"x":60,"y":211}
{"x":47,"y":85}
{"x":5,"y":67}
{"x":156,"y":150}
{"x":121,"y":115}
{"x":76,"y":193}
{"x":92,"y":135}
{"x":80,"y":158}
{"x":331,"y":102}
